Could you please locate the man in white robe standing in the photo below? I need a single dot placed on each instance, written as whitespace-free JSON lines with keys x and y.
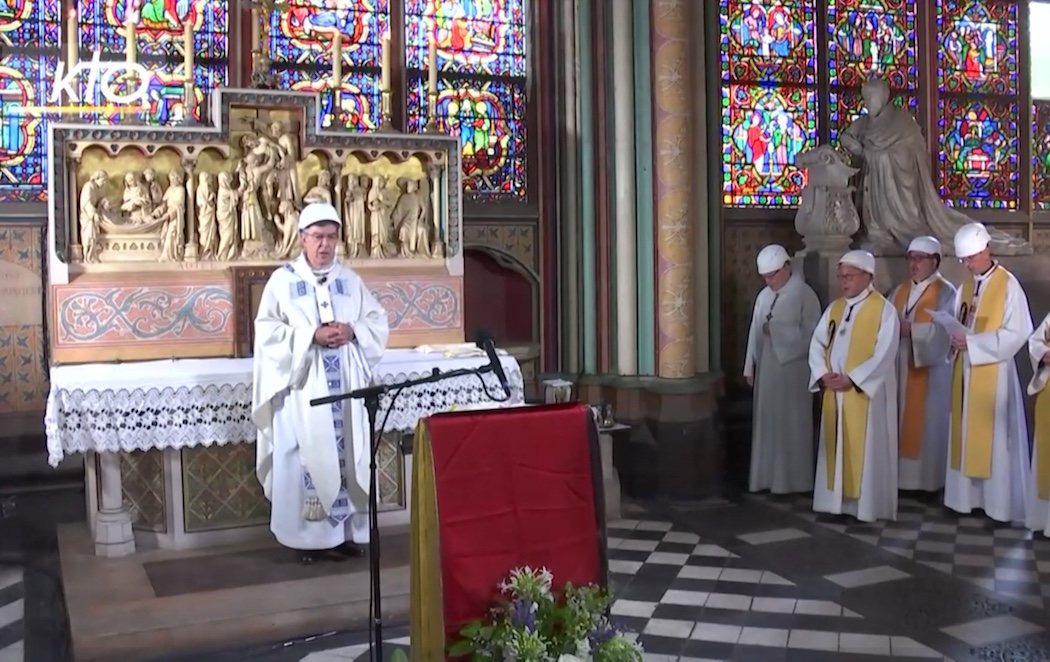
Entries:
{"x":1037,"y":512}
{"x":853,"y":358}
{"x":776,"y":366}
{"x":318,"y":332}
{"x":924,"y":374}
{"x":988,"y":460}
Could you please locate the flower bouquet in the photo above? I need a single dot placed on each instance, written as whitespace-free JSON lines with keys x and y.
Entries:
{"x":532,"y":625}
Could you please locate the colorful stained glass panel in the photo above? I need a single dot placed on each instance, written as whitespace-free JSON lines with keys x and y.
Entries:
{"x":29,"y":46}
{"x":848,"y":105}
{"x":489,"y":119}
{"x":1041,"y":154}
{"x":978,"y":46}
{"x":159,"y":41}
{"x":978,"y":161}
{"x":472,"y":36}
{"x":763,"y":130}
{"x":769,"y":41}
{"x":301,"y":51}
{"x":872,"y":37}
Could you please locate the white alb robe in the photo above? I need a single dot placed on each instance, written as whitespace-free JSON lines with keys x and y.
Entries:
{"x":928,"y":347}
{"x":782,"y":417}
{"x":877,"y":378}
{"x":299,"y":448}
{"x":1037,"y":513}
{"x":1002,"y":495}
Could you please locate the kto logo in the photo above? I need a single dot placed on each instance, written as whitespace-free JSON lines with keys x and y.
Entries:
{"x":123,"y":85}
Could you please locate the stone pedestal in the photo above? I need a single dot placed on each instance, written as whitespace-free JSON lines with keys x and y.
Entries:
{"x":821,"y":271}
{"x":113,"y":535}
{"x":610,"y":478}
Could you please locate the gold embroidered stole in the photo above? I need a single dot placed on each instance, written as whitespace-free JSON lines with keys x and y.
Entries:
{"x":978,"y":397}
{"x":855,"y":403}
{"x":1042,"y":438}
{"x":913,"y":419}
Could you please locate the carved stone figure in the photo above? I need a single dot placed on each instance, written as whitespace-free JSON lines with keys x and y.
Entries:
{"x":172,"y":212}
{"x":826,"y":219}
{"x":321,"y":191}
{"x":137,"y":204}
{"x":897,"y":198}
{"x":207,"y":227}
{"x":381,"y":201}
{"x":92,"y":205}
{"x":354,"y":215}
{"x":226,"y":201}
{"x":250,"y":172}
{"x":287,"y":222}
{"x":153,"y":190}
{"x":410,"y":219}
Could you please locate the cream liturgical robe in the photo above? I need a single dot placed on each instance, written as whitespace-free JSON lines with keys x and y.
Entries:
{"x":857,"y":455}
{"x":1037,"y":515}
{"x":777,"y":348}
{"x":313,"y":462}
{"x":924,"y":376}
{"x":988,"y":461}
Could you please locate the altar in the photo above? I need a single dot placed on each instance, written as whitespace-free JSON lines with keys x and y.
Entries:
{"x":170,"y":444}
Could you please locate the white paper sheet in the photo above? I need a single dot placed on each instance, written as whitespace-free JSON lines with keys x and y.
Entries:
{"x":948,"y":321}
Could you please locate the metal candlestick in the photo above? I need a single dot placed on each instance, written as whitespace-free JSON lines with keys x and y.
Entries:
{"x":386,"y":122}
{"x":432,"y":102}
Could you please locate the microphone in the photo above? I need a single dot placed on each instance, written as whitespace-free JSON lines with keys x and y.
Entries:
{"x":483,"y":339}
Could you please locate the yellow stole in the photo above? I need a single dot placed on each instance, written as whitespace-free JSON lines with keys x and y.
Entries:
{"x":979,"y":394}
{"x":854,"y":402}
{"x":913,"y":420}
{"x":1042,"y":438}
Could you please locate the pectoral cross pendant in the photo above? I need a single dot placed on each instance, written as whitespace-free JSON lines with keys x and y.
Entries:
{"x":324,"y":304}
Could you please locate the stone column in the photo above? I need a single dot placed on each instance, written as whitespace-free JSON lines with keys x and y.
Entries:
{"x":190,"y":184}
{"x":623,"y":129}
{"x":113,"y":534}
{"x":675,"y":175}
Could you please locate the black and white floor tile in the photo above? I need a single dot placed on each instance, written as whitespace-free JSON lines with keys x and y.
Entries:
{"x":1007,"y":560}
{"x":12,"y":612}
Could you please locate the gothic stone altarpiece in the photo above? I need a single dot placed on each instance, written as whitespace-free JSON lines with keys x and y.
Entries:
{"x":161,"y":241}
{"x":159,"y":231}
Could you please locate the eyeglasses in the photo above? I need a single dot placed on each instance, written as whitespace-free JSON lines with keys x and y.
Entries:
{"x":322,"y":238}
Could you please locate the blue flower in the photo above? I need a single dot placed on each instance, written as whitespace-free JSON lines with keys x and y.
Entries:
{"x":523,"y":614}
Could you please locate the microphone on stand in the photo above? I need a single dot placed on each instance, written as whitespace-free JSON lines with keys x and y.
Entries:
{"x":483,"y":339}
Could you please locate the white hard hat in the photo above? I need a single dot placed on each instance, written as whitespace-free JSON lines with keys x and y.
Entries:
{"x":771,"y":258}
{"x":862,"y":260}
{"x":927,"y":245}
{"x":971,"y":239}
{"x":318,"y":212}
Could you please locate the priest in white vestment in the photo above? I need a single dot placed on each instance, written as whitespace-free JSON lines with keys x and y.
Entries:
{"x":777,"y":367}
{"x":1037,"y":514}
{"x":923,"y":372}
{"x":853,"y":360}
{"x":318,"y":332}
{"x":988,"y":460}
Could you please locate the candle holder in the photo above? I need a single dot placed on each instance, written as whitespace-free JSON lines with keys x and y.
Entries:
{"x":386,"y":121}
{"x":189,"y":104}
{"x":262,"y":72}
{"x":432,"y":125}
{"x":136,"y":118}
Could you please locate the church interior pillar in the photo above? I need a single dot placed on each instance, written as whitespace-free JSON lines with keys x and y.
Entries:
{"x":675,"y":176}
{"x":585,"y":128}
{"x":569,"y":111}
{"x":625,"y":303}
{"x":643,"y":168}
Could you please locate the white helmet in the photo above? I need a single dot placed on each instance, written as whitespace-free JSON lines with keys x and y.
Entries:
{"x":318,"y":212}
{"x":771,"y":258}
{"x":971,"y":239}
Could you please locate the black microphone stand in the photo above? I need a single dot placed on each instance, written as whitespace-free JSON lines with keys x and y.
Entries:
{"x":371,"y":396}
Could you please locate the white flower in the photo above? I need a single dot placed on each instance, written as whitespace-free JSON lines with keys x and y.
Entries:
{"x":570,"y":658}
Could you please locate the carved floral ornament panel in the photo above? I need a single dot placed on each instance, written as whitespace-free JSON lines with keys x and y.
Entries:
{"x":209,"y":196}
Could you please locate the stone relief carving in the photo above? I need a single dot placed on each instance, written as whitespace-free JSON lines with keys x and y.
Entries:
{"x":243,"y":202}
{"x":827,"y":218}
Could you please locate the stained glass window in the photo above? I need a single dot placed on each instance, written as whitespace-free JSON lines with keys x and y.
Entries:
{"x":872,"y":37}
{"x":482,"y":59}
{"x":302,"y":48}
{"x":978,"y":160}
{"x":159,"y":31}
{"x":766,"y":128}
{"x":1041,"y":154}
{"x":978,"y":46}
{"x":29,"y":49}
{"x":769,"y":99}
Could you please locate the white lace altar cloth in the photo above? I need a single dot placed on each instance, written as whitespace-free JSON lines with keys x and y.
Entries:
{"x":182,"y":403}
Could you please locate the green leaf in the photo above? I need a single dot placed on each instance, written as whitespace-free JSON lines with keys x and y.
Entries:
{"x":399,"y":655}
{"x":471,"y":629}
{"x":485,"y":632}
{"x":460,"y":648}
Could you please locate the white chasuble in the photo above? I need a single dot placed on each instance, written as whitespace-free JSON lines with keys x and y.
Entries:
{"x":988,"y":459}
{"x":924,"y":376}
{"x":1037,"y":515}
{"x":857,"y":454}
{"x":782,"y":418}
{"x":313,"y":462}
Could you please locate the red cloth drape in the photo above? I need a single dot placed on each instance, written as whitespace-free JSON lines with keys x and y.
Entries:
{"x":514,"y":487}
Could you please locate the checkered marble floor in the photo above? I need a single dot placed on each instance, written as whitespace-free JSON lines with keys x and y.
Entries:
{"x":12,"y":611}
{"x":1009,"y":561}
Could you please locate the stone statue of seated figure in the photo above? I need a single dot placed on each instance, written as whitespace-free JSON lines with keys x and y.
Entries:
{"x":898,"y":201}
